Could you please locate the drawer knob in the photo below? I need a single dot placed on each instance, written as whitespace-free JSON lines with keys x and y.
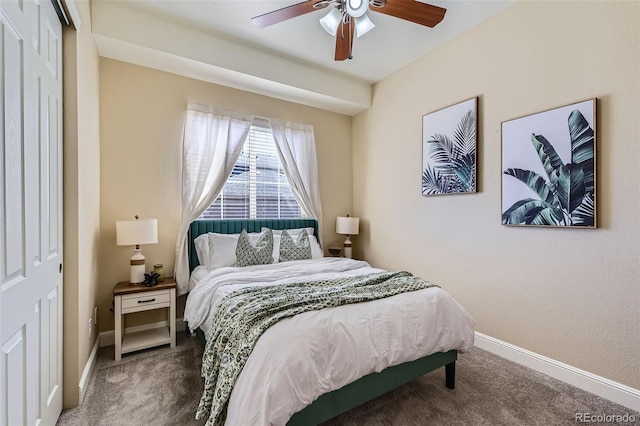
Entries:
{"x":147,"y":301}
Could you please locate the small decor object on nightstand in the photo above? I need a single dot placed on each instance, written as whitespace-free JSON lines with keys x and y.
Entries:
{"x":151,"y":279}
{"x":158,"y":269}
{"x":335,"y":249}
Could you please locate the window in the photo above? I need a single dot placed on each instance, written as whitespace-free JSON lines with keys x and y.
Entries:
{"x":257,"y":187}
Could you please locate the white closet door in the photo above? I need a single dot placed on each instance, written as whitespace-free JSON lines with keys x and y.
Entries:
{"x":30,"y":213}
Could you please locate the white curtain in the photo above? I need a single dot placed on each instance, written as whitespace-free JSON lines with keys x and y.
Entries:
{"x":297,"y":151}
{"x":212,"y":143}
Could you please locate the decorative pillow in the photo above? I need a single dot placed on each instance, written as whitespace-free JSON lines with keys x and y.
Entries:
{"x":294,"y":250}
{"x":316,"y":250}
{"x":260,"y":254}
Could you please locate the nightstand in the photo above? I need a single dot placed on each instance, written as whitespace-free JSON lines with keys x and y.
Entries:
{"x":138,"y":298}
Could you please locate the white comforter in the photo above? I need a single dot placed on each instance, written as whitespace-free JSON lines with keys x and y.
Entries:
{"x":300,"y":358}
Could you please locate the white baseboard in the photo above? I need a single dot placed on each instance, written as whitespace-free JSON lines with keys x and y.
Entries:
{"x":108,"y":338}
{"x":88,"y":369}
{"x":597,"y":385}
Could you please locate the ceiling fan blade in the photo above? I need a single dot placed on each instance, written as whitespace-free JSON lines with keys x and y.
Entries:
{"x":344,"y":40}
{"x":414,"y":11}
{"x":288,"y":12}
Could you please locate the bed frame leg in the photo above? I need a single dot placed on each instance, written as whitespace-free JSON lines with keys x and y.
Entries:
{"x":450,"y":375}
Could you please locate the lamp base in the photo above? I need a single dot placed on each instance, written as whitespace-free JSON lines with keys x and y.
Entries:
{"x":347,"y":247}
{"x":136,"y":273}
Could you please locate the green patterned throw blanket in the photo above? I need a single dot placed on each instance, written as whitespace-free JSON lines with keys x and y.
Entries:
{"x":244,"y":315}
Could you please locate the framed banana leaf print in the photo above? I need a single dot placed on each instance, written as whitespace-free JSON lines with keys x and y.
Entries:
{"x":549,"y":168}
{"x":449,"y":149}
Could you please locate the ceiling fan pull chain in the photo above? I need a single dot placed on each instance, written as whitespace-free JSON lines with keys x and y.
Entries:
{"x":351,"y":29}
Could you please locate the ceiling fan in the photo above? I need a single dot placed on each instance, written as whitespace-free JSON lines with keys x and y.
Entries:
{"x":349,"y":17}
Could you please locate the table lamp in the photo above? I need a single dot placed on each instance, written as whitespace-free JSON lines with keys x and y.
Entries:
{"x":135,"y":233}
{"x":347,"y":226}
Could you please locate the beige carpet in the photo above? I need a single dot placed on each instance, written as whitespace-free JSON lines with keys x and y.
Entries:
{"x":162,"y":386}
{"x":159,"y":386}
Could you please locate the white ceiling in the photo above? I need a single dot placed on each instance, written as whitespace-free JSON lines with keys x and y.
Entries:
{"x":295,"y":56}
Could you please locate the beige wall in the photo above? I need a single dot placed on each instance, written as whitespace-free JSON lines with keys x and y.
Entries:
{"x":81,"y":199}
{"x":571,"y":295}
{"x":142,"y":114}
{"x":529,"y":287}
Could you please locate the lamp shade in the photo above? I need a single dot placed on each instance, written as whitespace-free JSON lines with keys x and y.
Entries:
{"x":363,"y":25}
{"x":136,"y":232}
{"x":348,"y":225}
{"x":331,"y":21}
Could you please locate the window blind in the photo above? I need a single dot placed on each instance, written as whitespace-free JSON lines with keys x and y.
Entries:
{"x":257,"y":187}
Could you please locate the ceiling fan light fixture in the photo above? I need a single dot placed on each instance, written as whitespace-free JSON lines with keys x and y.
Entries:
{"x":363,"y":25}
{"x":331,"y":21}
{"x":357,"y":8}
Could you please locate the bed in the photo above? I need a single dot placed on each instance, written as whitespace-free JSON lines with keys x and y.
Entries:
{"x":338,"y":395}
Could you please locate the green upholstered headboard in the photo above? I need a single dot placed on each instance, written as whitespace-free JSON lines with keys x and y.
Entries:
{"x":235,"y":226}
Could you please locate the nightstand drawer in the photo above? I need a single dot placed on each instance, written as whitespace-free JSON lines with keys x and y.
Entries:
{"x":147,"y":300}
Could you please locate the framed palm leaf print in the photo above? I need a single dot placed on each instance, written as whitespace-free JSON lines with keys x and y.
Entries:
{"x":449,"y":149}
{"x":548,"y":168}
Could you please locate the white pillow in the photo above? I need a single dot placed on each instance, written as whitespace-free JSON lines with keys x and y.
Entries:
{"x":222,"y":249}
{"x":202,"y":249}
{"x":316,"y":250}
